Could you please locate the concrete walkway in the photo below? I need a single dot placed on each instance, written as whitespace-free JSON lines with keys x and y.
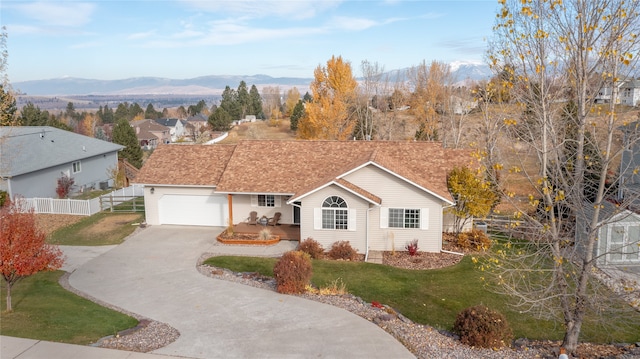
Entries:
{"x":20,"y":348}
{"x":153,"y":273}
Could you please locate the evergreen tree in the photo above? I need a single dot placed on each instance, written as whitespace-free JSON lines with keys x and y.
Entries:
{"x":122,"y":112}
{"x":135,"y":110}
{"x":230,"y":103}
{"x":31,"y":115}
{"x":220,"y":120}
{"x":106,"y":115}
{"x":244,"y":101}
{"x":124,"y":134}
{"x":307,"y":97}
{"x":151,"y":112}
{"x":256,"y":102}
{"x":296,"y":115}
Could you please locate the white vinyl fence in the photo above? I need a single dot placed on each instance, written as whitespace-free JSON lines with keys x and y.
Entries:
{"x":82,"y":207}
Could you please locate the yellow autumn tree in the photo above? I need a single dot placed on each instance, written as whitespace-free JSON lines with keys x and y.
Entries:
{"x":293,"y":96}
{"x":330,"y":115}
{"x":87,"y":125}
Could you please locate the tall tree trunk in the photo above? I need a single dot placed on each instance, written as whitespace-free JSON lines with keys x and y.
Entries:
{"x":9,"y":307}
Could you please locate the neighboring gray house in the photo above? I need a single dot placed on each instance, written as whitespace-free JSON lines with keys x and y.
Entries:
{"x":618,"y":229}
{"x":629,"y":180}
{"x":32,"y":158}
{"x":176,"y":127}
{"x":618,"y":234}
{"x":627,"y":93}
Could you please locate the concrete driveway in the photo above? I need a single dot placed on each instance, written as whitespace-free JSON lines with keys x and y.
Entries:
{"x":153,"y":273}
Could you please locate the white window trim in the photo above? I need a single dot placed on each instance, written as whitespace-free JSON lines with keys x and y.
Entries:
{"x":75,"y":164}
{"x":351,"y":219}
{"x":277,"y":201}
{"x":424,"y":218}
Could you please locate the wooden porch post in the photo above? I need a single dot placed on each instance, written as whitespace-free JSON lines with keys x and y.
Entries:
{"x":230,"y":200}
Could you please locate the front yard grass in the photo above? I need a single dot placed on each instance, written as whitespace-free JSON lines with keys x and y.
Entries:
{"x":432,"y":297}
{"x":101,"y":229}
{"x":43,"y":310}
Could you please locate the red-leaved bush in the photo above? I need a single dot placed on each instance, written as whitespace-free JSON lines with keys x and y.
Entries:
{"x":412,"y":247}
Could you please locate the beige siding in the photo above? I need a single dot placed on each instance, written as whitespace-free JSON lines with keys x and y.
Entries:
{"x":242,"y":207}
{"x":327,"y":237}
{"x":397,"y":193}
{"x":151,"y":200}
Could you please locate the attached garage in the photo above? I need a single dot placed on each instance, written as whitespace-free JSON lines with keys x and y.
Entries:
{"x":192,"y":210}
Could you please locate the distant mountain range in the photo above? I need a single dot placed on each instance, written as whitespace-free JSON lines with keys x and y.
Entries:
{"x":205,"y":85}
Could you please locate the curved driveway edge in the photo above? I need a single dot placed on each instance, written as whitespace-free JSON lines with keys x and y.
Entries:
{"x":153,"y":273}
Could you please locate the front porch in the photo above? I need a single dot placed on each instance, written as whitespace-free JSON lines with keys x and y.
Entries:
{"x":287,"y":232}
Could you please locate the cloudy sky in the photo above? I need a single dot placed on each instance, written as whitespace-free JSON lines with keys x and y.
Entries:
{"x":106,"y":39}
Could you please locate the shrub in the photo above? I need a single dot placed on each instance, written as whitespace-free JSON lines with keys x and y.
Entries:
{"x":474,"y":239}
{"x":412,"y":247}
{"x":342,"y":250}
{"x":312,"y":248}
{"x":264,"y":234}
{"x":65,"y":185}
{"x":3,"y":198}
{"x":482,"y":327}
{"x":293,"y":272}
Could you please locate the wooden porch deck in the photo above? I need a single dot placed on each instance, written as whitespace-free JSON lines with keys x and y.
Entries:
{"x":288,"y":232}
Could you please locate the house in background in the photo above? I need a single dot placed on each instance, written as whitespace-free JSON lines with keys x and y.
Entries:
{"x":176,"y":127}
{"x":196,"y":126}
{"x":150,"y":133}
{"x":377,"y":195}
{"x":33,"y":158}
{"x":627,"y":93}
{"x":618,"y":230}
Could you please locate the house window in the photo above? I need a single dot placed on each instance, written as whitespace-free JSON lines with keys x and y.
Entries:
{"x":404,"y":218}
{"x":335,"y":214}
{"x":75,"y":166}
{"x":266,"y":200}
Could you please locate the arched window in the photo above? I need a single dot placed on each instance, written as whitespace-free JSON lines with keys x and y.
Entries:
{"x":335,"y":214}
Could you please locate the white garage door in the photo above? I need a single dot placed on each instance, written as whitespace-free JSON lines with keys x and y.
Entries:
{"x":193,"y":210}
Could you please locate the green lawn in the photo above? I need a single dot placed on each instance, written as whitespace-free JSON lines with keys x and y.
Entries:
{"x":43,"y":310}
{"x":432,"y":297}
{"x":100,"y":229}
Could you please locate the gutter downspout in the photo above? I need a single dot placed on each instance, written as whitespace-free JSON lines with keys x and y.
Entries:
{"x":366,"y":251}
{"x":442,"y":250}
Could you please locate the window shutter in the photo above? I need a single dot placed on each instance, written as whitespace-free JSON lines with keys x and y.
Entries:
{"x":384,"y":217}
{"x":254,"y":200}
{"x":424,"y":218}
{"x":317,"y":218}
{"x":351,"y":225}
{"x":277,"y":201}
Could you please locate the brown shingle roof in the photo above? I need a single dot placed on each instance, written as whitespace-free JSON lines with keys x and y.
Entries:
{"x":297,"y":167}
{"x":198,"y":165}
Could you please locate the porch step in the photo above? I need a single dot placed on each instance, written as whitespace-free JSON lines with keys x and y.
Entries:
{"x":375,"y":257}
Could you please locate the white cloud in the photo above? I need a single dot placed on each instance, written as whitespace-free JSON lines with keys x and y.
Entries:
{"x":85,"y":45}
{"x":63,"y":14}
{"x":351,"y":23}
{"x":290,"y":9}
{"x":141,"y":35}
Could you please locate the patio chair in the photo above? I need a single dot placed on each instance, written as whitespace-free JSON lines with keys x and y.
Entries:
{"x":273,"y":221}
{"x":253,"y":218}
